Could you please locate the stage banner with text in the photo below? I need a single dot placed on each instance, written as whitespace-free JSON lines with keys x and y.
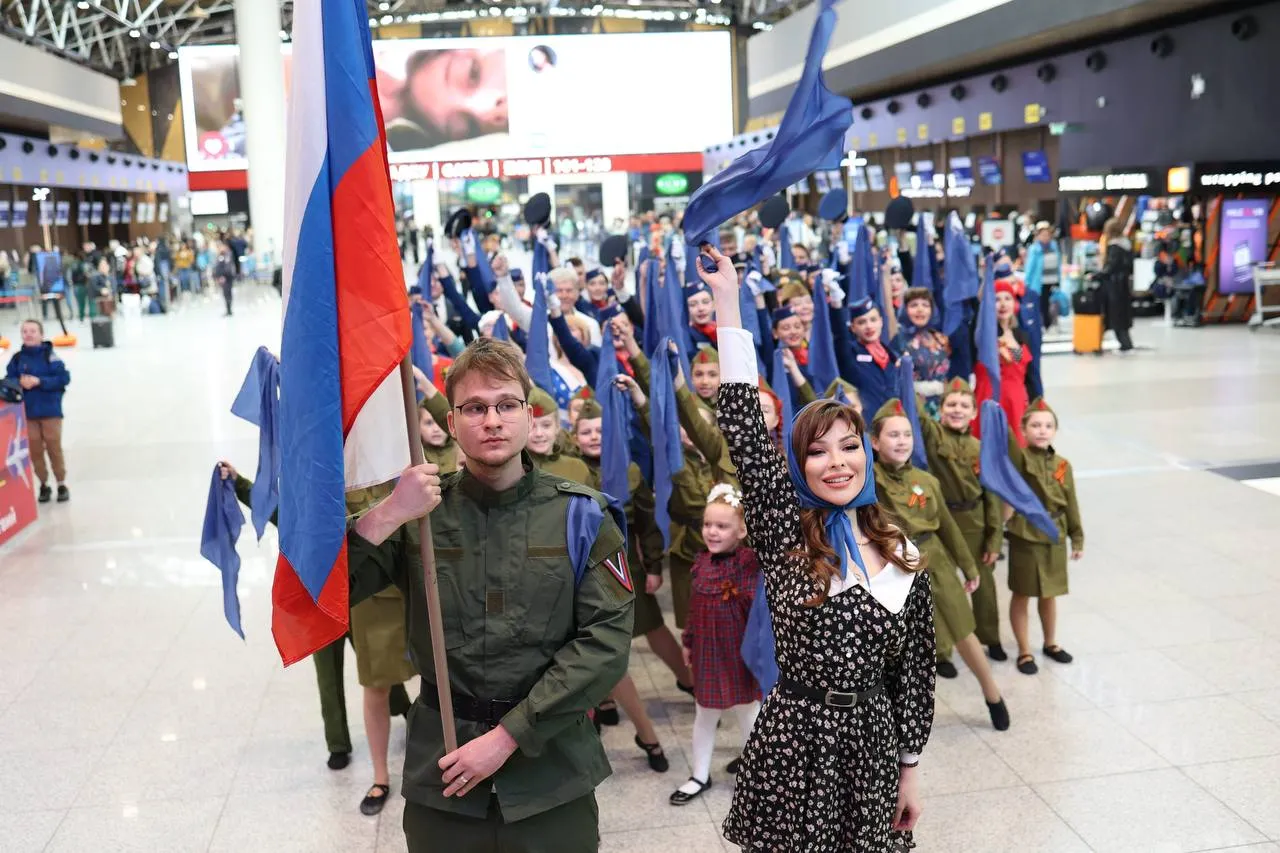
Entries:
{"x":17,"y":482}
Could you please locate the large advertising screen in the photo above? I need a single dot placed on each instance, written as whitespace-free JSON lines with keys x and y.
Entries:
{"x":516,"y":96}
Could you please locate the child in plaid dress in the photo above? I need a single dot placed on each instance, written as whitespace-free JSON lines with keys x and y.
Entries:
{"x":725,"y":576}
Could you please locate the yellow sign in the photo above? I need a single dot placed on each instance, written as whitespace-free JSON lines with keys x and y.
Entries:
{"x":902,"y":135}
{"x":1031,"y":114}
{"x":873,"y":139}
{"x":44,"y":176}
{"x":17,"y":173}
{"x":96,"y":182}
{"x":855,"y":143}
{"x":985,"y":121}
{"x":58,"y":177}
{"x":1179,"y":180}
{"x":957,"y":126}
{"x":922,"y":131}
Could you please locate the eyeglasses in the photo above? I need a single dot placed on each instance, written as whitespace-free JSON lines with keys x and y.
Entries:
{"x":508,"y":410}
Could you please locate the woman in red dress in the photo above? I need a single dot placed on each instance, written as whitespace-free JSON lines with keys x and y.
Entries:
{"x":725,"y":577}
{"x":1015,"y":358}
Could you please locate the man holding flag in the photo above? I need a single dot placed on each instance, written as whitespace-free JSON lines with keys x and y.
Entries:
{"x":517,"y":595}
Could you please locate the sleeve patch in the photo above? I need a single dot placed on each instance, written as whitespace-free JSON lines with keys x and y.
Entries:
{"x":617,"y":566}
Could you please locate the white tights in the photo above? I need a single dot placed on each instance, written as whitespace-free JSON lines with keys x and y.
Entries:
{"x":704,"y":737}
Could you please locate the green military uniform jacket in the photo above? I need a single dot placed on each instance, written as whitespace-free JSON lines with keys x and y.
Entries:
{"x":953,"y":461}
{"x":702,"y":470}
{"x":915,"y":498}
{"x":516,"y":628}
{"x":561,"y":463}
{"x":1050,"y":476}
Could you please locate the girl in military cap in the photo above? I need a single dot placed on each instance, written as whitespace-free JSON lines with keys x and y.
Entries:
{"x":915,"y":497}
{"x":1037,"y":566}
{"x":953,"y":460}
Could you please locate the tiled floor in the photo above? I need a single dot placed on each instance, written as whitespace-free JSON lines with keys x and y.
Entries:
{"x":133,"y":719}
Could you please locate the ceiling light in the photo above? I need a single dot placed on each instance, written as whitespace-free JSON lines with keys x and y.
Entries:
{"x":386,"y":19}
{"x":83,"y":4}
{"x":382,"y":7}
{"x":155,"y":45}
{"x":133,"y":34}
{"x":173,"y":54}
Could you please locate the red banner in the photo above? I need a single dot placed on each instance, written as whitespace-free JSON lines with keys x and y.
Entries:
{"x":17,"y":481}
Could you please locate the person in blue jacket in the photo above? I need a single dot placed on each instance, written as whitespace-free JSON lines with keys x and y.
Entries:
{"x":861,"y":356}
{"x":44,"y":378}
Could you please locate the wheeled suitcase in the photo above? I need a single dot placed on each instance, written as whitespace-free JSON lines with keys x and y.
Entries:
{"x":1086,"y":333}
{"x":103,"y":332}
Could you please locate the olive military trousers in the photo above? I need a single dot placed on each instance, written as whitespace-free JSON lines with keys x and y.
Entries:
{"x":333,"y":701}
{"x":571,"y":828}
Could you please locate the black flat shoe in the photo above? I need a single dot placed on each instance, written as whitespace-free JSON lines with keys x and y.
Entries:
{"x":684,"y":688}
{"x":607,"y":714}
{"x":46,"y":494}
{"x":680,"y":798}
{"x":946,"y":669}
{"x":999,"y":715}
{"x":375,"y":800}
{"x":734,"y":766}
{"x":1057,"y":653}
{"x":339,"y":760}
{"x":996,"y":652}
{"x":657,"y":758}
{"x":1027,"y":665}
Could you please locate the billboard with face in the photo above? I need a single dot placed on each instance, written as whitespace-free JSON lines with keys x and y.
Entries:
{"x":519,"y":96}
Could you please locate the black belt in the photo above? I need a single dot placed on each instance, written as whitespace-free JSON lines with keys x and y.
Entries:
{"x":834,"y":698}
{"x":964,"y":507}
{"x":487,"y":712}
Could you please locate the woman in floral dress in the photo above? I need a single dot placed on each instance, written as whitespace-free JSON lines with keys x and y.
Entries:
{"x":831,"y":765}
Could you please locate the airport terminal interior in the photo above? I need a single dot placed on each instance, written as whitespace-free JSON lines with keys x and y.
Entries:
{"x":1088,"y":201}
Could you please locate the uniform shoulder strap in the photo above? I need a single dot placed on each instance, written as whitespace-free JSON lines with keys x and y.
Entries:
{"x":583,"y":522}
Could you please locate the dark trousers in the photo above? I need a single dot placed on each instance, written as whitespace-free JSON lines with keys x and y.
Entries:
{"x":571,"y":828}
{"x":333,"y":699}
{"x":1126,"y":342}
{"x":226,"y":293}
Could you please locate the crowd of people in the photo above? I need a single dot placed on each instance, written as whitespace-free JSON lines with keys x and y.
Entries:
{"x":162,"y":269}
{"x":784,"y":435}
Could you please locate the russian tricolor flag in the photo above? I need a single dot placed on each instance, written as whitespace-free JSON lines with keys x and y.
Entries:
{"x":346,"y":320}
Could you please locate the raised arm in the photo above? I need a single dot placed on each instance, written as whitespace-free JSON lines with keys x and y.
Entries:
{"x":772,"y":513}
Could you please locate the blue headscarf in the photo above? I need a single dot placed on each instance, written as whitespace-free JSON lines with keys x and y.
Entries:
{"x":839,"y":528}
{"x":420,"y":350}
{"x":222,"y":522}
{"x":615,"y":419}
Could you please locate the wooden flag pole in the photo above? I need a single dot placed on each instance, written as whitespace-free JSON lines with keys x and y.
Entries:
{"x":435,"y":617}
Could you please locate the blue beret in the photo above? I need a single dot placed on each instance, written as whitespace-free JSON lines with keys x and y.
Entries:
{"x":517,"y":274}
{"x":608,"y":312}
{"x":695,"y":288}
{"x":781,"y":314}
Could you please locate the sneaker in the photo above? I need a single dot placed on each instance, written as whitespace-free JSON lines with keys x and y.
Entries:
{"x":46,"y":494}
{"x":64,"y":494}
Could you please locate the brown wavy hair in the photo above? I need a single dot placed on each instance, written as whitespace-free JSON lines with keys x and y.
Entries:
{"x":877,"y":524}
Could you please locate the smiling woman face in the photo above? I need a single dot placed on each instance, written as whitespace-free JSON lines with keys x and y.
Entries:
{"x":462,"y":94}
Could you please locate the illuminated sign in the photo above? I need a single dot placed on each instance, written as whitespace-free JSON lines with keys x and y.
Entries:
{"x":484,"y":191}
{"x":672,"y":183}
{"x":1113,"y":182}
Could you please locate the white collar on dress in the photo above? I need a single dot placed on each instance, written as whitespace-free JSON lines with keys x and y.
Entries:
{"x":890,"y":586}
